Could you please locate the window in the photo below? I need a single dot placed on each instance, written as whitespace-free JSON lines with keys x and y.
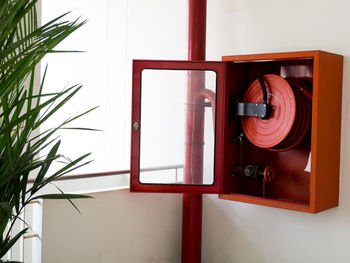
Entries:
{"x":111,"y":39}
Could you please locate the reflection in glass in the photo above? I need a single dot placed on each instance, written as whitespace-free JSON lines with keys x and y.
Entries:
{"x":172,"y":117}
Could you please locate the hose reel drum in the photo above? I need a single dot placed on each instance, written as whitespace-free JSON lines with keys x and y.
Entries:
{"x":290,"y":115}
{"x":275,"y":113}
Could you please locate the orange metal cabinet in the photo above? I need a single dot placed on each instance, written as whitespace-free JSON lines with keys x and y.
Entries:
{"x":292,"y":188}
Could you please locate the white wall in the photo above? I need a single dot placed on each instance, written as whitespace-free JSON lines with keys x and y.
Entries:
{"x":115,"y":226}
{"x":232,"y":232}
{"x":243,"y":233}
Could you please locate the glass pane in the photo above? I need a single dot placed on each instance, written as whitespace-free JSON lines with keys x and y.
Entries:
{"x":177,"y":131}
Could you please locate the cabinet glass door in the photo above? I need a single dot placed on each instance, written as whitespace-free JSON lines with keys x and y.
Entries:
{"x":175,"y":127}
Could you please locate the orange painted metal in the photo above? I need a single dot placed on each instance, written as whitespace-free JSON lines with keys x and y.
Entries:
{"x":292,"y":188}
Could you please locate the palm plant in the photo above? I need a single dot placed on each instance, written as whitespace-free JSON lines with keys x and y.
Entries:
{"x":24,"y":108}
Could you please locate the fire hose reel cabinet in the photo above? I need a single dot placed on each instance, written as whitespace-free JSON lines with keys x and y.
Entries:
{"x":261,"y":129}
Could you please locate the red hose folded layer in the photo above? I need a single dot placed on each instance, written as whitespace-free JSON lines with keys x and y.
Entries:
{"x":290,"y":118}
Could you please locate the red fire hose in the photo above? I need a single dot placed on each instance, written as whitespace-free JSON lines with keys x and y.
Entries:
{"x":291,"y":113}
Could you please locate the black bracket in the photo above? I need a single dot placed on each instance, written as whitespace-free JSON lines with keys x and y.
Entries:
{"x":260,"y":110}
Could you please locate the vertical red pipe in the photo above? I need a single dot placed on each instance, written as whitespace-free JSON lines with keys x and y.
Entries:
{"x":193,"y":165}
{"x":197,"y":20}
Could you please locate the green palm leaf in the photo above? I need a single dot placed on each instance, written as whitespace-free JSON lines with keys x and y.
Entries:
{"x":24,"y":108}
